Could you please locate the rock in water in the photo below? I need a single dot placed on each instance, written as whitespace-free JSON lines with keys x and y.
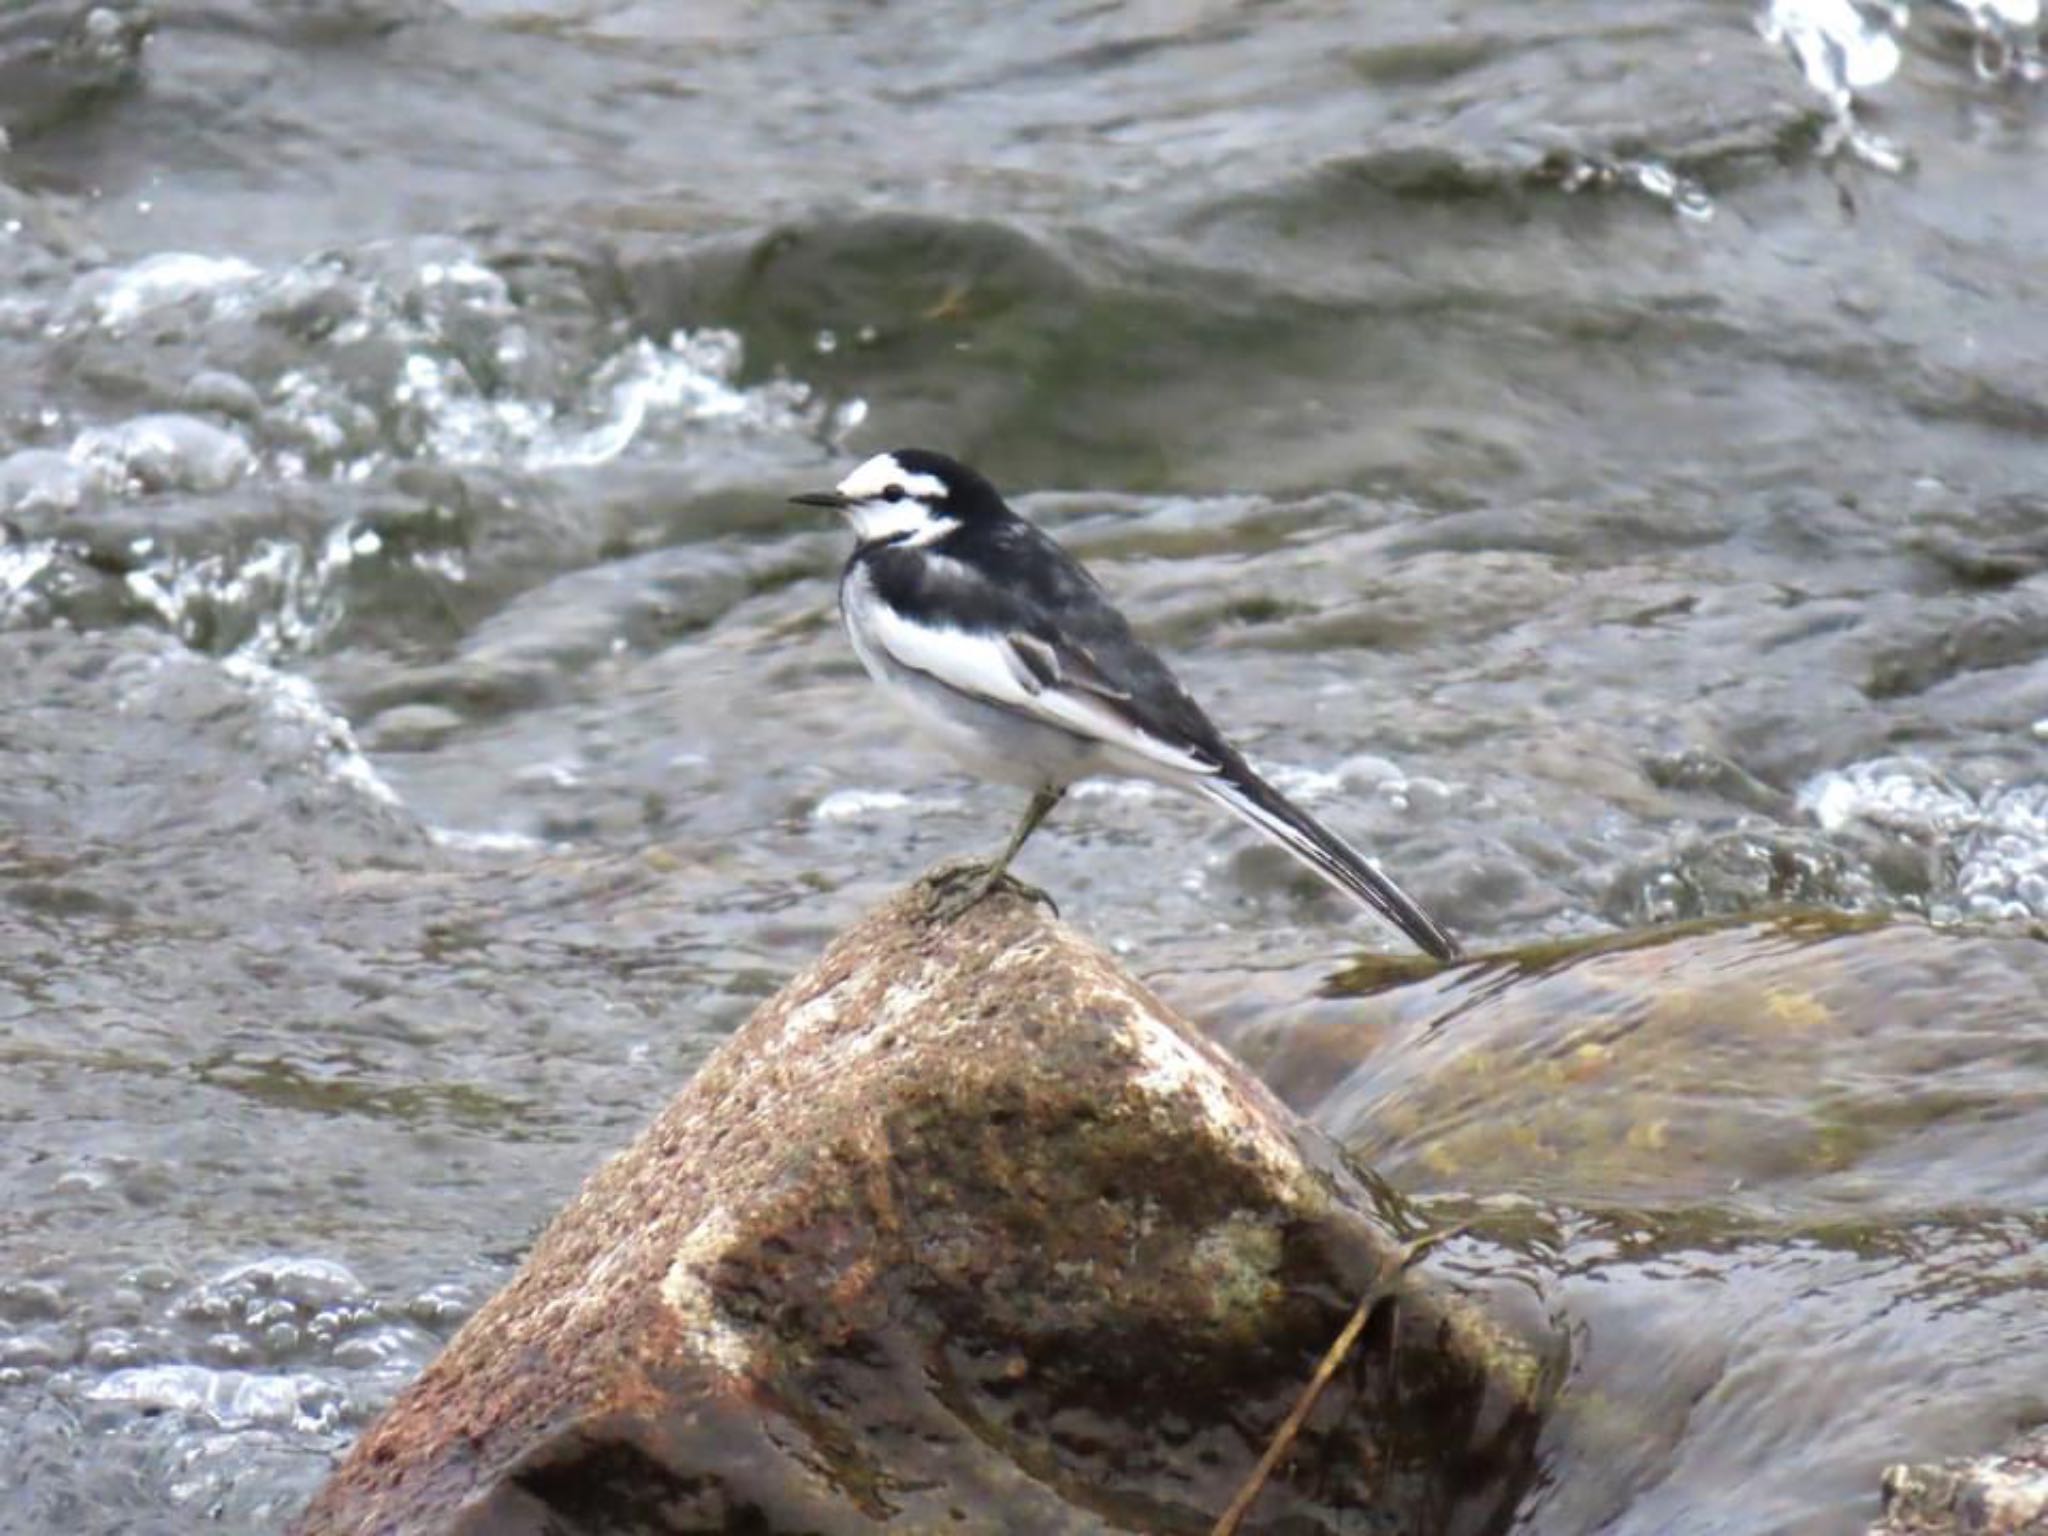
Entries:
{"x":2002,"y":1495}
{"x":58,"y":56}
{"x":963,"y":1230}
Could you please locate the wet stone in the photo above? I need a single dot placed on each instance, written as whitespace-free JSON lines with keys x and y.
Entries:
{"x":2002,"y":1495}
{"x":962,"y":1229}
{"x":214,"y":389}
{"x":411,"y":728}
{"x":59,"y":56}
{"x":1740,"y":870}
{"x":164,"y":452}
{"x":38,"y":1351}
{"x":30,"y":1300}
{"x":40,"y":480}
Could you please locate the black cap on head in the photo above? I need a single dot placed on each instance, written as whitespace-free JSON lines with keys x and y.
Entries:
{"x":967,"y":490}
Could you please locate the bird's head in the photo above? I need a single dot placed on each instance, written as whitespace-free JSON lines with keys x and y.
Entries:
{"x":910,"y":496}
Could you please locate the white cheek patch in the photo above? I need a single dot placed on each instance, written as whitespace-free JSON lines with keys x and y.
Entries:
{"x":910,"y":518}
{"x":909,"y":522}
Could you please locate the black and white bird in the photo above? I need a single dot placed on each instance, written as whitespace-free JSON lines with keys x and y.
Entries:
{"x":1009,"y":655}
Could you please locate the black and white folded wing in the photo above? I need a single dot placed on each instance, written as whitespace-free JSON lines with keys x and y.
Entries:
{"x":1033,"y":677}
{"x":1076,"y":692}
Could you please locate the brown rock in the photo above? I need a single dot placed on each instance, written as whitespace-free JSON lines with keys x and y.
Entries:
{"x":965,"y":1231}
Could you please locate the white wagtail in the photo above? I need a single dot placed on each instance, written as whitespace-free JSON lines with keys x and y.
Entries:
{"x":1008,"y":654}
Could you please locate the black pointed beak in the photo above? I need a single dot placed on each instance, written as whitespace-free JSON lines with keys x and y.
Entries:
{"x":832,"y":499}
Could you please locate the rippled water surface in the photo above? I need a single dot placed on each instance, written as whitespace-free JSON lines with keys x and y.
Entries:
{"x":1589,"y":451}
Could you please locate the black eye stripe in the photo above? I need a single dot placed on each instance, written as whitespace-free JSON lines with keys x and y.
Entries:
{"x":894,"y":493}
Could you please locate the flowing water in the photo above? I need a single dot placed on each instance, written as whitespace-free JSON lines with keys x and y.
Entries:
{"x":1590,"y":450}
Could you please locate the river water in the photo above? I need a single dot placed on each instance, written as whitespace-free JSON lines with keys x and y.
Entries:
{"x":1590,"y":450}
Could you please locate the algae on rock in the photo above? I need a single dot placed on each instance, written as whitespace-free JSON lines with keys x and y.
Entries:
{"x":966,"y":1229}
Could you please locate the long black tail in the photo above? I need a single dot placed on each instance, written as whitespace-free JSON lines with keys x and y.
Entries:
{"x":1247,"y":795}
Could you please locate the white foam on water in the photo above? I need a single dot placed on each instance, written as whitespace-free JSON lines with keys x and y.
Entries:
{"x":20,"y":566}
{"x":1844,"y":49}
{"x":2008,"y":42}
{"x":689,"y":377}
{"x":1115,"y":789}
{"x":161,"y":451}
{"x":296,"y":700}
{"x":228,"y":1399}
{"x":460,"y":840}
{"x":1841,"y":47}
{"x":396,"y":354}
{"x":459,"y":386}
{"x":1997,"y":839}
{"x":1893,"y":794}
{"x":2005,"y":864}
{"x":294,"y":594}
{"x":685,"y":380}
{"x":1847,"y":48}
{"x":859,"y":805}
{"x":116,"y":297}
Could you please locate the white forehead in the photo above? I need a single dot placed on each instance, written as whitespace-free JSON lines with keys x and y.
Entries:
{"x":881,"y":472}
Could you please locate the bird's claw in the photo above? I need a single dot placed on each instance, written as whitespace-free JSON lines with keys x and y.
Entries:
{"x":960,"y":887}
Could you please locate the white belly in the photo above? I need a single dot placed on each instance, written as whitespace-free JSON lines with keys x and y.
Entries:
{"x":987,"y":740}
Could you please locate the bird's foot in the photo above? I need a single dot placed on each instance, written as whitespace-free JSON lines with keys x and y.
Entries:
{"x":958,"y":887}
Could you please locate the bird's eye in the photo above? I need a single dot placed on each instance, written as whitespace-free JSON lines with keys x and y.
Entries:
{"x":894,"y":493}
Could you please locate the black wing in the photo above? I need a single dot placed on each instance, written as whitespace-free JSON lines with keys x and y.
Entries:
{"x":1058,"y":620}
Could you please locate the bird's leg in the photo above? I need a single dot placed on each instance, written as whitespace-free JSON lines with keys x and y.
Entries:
{"x":986,"y":878}
{"x":1040,"y":807}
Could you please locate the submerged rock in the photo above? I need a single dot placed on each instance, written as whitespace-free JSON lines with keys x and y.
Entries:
{"x":2004,"y":1495}
{"x":963,"y":1229}
{"x":59,"y":56}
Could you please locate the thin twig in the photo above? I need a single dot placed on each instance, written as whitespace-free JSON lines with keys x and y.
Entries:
{"x":1283,"y":1441}
{"x":1333,"y":1359}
